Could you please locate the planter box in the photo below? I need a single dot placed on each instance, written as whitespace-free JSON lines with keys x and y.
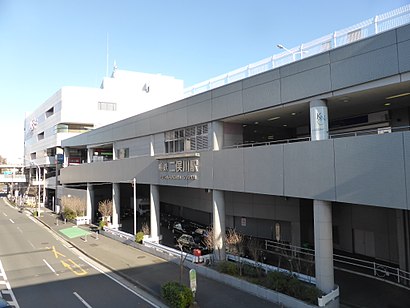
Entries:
{"x":81,"y":220}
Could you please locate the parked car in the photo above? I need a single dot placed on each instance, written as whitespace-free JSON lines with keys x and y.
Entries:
{"x":187,"y":242}
{"x":180,"y":227}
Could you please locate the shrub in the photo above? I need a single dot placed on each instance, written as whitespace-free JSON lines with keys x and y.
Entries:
{"x":73,"y":205}
{"x":177,"y":295}
{"x":69,"y":214}
{"x":139,"y":237}
{"x":102,"y":224}
{"x":291,"y":286}
{"x":105,"y":208}
{"x":227,"y":267}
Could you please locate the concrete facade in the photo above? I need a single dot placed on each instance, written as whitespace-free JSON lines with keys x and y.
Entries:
{"x":251,"y":142}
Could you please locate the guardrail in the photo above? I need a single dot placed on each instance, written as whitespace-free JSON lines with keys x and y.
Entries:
{"x":364,"y":29}
{"x":354,"y":265}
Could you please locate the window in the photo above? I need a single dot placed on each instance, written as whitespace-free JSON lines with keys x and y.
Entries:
{"x":40,"y":136}
{"x":123,"y":153}
{"x":107,"y":106}
{"x":192,"y":138}
{"x":50,"y":112}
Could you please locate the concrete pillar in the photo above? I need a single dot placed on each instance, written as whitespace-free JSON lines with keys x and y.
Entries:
{"x":151,"y":146}
{"x":115,"y":205}
{"x":322,"y":210}
{"x":90,"y":153}
{"x":319,"y":124}
{"x":217,"y":135}
{"x":66,"y":157}
{"x":90,"y":200}
{"x":218,"y":201}
{"x":322,"y":217}
{"x":114,"y":152}
{"x":154,"y":213}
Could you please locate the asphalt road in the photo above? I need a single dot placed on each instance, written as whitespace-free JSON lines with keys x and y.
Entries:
{"x":38,"y":269}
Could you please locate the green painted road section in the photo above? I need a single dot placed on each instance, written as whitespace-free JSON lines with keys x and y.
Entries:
{"x":74,"y":232}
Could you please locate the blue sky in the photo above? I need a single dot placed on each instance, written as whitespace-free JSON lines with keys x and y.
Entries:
{"x":48,"y":44}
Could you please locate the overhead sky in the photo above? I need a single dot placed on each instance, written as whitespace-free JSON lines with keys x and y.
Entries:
{"x":48,"y":44}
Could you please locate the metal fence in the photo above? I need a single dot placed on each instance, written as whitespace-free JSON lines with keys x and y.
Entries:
{"x":370,"y":268}
{"x":364,"y":29}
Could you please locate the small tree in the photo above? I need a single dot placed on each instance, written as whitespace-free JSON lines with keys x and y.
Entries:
{"x":255,"y":250}
{"x":208,"y":239}
{"x":73,"y":206}
{"x":145,"y":228}
{"x":105,"y":208}
{"x":235,"y":243}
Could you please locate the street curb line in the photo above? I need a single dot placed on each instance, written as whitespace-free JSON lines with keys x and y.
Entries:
{"x":126,"y":277}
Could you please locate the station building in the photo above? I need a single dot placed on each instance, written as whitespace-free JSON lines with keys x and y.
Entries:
{"x":315,"y":151}
{"x":74,"y":110}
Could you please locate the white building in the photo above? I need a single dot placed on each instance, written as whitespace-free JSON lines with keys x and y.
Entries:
{"x":74,"y":110}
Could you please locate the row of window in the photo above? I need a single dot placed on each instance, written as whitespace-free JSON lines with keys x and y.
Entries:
{"x":192,"y":138}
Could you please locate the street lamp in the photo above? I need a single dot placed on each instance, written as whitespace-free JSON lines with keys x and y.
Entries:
{"x":280,"y":46}
{"x":38,"y":183}
{"x":38,"y":174}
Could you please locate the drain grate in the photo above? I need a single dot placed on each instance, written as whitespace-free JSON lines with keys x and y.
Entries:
{"x":140,"y":257}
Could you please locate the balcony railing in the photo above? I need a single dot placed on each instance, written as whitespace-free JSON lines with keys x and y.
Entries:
{"x":377,"y":131}
{"x":367,"y":28}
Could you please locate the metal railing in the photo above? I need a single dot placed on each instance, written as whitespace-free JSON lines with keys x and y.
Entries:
{"x":376,"y":131}
{"x":373,"y":268}
{"x":367,"y":28}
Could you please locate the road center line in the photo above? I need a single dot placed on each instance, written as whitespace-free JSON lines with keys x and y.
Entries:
{"x":11,"y":220}
{"x":82,"y":300}
{"x":50,"y":267}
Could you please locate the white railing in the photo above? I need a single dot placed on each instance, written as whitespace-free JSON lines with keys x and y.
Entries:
{"x":367,"y":28}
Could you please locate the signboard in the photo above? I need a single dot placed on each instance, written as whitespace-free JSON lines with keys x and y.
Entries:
{"x":179,"y":169}
{"x":192,"y":280}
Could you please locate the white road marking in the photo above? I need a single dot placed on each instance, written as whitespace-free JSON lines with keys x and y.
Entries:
{"x":120,"y":283}
{"x":13,"y":301}
{"x":50,"y":267}
{"x":31,"y":244}
{"x":4,"y":214}
{"x":18,"y":228}
{"x":11,"y":220}
{"x":82,"y":300}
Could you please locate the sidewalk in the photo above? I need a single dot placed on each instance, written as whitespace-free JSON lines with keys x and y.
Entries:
{"x":150,"y":272}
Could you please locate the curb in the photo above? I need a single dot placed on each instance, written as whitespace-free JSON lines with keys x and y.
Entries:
{"x":126,"y":277}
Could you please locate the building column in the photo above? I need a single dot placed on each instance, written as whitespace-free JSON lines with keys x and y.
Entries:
{"x":151,"y":146}
{"x":90,"y":153}
{"x":217,"y":135}
{"x":90,"y":198}
{"x":154,"y":213}
{"x":115,"y":205}
{"x":322,"y":210}
{"x":218,"y":202}
{"x":322,"y":217}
